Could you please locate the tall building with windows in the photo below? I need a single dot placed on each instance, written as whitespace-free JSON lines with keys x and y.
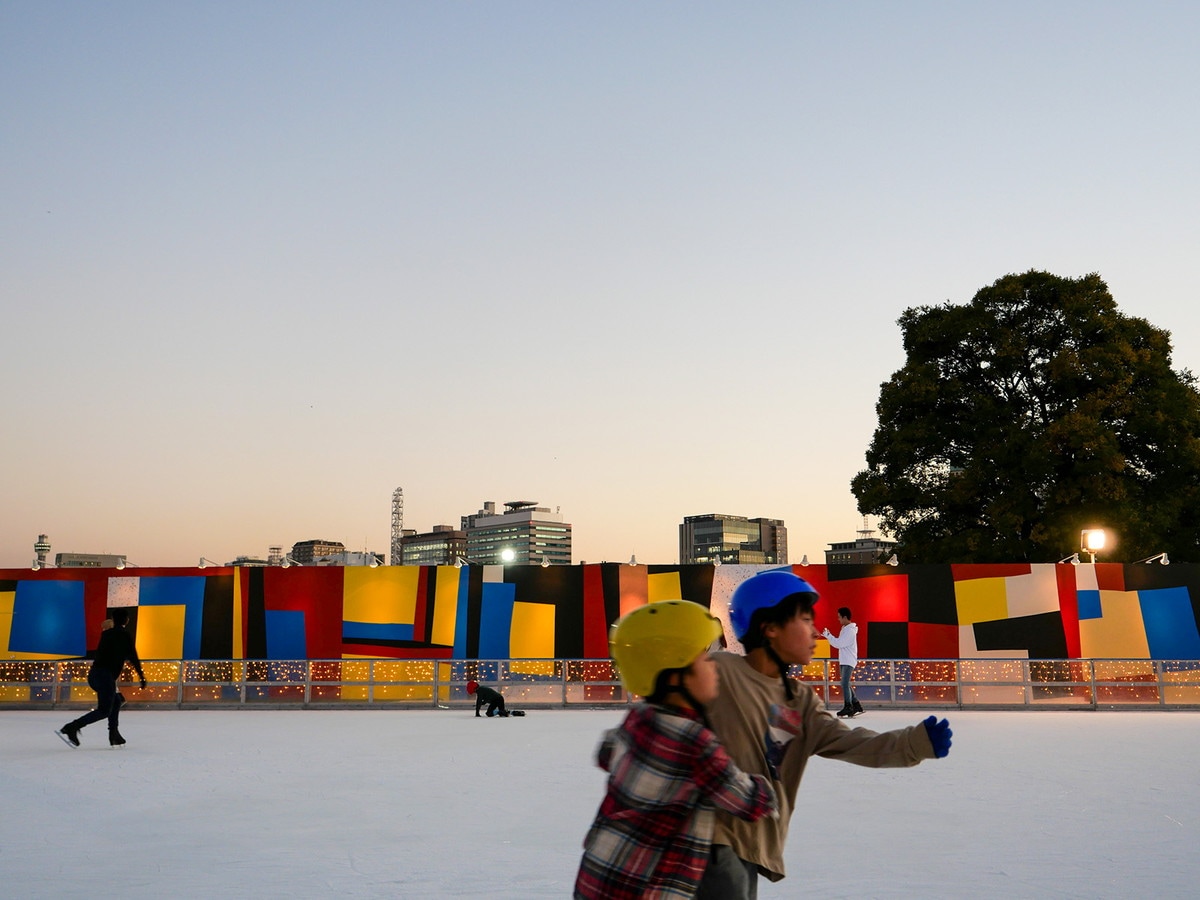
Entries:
{"x":864,"y":549}
{"x":717,"y":538}
{"x":443,"y":546}
{"x":308,"y":552}
{"x":524,"y":534}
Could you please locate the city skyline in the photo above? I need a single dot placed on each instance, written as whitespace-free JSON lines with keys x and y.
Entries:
{"x":263,"y":264}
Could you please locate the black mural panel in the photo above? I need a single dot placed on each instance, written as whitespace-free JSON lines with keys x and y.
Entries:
{"x":1042,"y":636}
{"x":216,"y":631}
{"x":611,"y":578}
{"x":931,"y":595}
{"x":886,"y":640}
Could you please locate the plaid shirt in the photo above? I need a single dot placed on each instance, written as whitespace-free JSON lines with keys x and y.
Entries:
{"x":652,"y":835}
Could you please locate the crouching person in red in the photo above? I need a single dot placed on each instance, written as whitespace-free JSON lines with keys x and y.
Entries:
{"x":668,"y":773}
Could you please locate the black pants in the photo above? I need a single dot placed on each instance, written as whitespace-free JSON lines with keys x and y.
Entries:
{"x":104,"y":683}
{"x":491,"y":710}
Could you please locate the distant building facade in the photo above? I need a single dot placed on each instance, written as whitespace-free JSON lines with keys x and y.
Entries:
{"x":865,"y":549}
{"x":308,"y":552}
{"x":718,"y":538}
{"x":443,"y":546}
{"x":89,"y":560}
{"x":528,"y":533}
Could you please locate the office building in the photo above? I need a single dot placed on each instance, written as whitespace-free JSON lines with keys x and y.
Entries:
{"x":865,"y":549}
{"x":717,"y":538}
{"x":308,"y":552}
{"x":443,"y":546}
{"x":524,"y":534}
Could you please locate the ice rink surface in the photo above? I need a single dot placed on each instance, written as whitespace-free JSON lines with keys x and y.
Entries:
{"x":437,"y":804}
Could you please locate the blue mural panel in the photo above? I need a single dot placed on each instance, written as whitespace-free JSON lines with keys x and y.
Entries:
{"x":1089,"y":604}
{"x":48,"y":618}
{"x":368,"y":632}
{"x":285,"y":634}
{"x":1170,"y":623}
{"x":495,"y":620}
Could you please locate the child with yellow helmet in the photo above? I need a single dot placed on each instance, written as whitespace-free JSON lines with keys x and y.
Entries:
{"x":667,"y":771}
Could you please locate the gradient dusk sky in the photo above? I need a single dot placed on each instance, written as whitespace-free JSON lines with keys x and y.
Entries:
{"x":265,"y":262}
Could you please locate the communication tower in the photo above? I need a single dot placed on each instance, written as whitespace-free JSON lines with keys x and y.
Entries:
{"x":397,"y":525}
{"x":41,"y":549}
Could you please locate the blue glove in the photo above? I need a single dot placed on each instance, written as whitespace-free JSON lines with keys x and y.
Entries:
{"x":939,"y":735}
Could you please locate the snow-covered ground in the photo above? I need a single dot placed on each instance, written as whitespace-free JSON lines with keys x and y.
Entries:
{"x":436,"y":804}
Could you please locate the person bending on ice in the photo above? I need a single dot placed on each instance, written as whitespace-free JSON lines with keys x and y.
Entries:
{"x":493,"y":699}
{"x":668,"y":773}
{"x":772,"y":724}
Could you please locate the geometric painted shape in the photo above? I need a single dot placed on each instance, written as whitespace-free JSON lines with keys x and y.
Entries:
{"x":285,"y":634}
{"x":663,"y":586}
{"x":160,"y":631}
{"x":386,"y":595}
{"x":47,"y":619}
{"x":532,"y":633}
{"x":1119,"y":633}
{"x":495,"y":620}
{"x":123,"y":591}
{"x":1170,"y":623}
{"x":445,"y":604}
{"x":932,"y":641}
{"x":186,"y":591}
{"x":968,"y":649}
{"x":887,"y":640}
{"x":1089,"y":604}
{"x":981,"y":600}
{"x":1041,"y":636}
{"x":1032,"y":593}
{"x":369,"y":632}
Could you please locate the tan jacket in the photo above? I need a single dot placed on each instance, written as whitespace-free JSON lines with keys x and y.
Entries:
{"x":749,"y":704}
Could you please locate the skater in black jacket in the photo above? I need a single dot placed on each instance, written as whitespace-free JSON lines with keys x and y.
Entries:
{"x":493,"y":699}
{"x":116,"y":646}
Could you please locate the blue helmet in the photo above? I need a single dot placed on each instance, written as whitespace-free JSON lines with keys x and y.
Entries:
{"x":763,"y":591}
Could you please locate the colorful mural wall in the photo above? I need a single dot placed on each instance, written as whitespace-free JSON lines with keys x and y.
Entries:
{"x":1052,"y":611}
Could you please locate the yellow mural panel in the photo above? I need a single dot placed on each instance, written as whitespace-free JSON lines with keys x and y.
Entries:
{"x":532,"y":634}
{"x":160,"y":632}
{"x":382,"y":596}
{"x":980,"y":600}
{"x":445,"y":606}
{"x":663,"y":586}
{"x":239,"y":646}
{"x":1119,"y":633}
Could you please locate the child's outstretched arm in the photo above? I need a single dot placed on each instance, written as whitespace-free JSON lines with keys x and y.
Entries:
{"x":748,"y":797}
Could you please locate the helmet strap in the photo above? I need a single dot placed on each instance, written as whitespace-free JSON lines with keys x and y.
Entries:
{"x":783,"y":670}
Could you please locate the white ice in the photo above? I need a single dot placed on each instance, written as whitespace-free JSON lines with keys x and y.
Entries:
{"x":437,"y":803}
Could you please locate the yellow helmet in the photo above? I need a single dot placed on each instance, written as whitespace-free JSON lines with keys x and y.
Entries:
{"x":669,"y":634}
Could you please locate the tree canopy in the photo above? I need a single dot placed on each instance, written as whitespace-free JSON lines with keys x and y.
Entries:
{"x":1034,"y":411}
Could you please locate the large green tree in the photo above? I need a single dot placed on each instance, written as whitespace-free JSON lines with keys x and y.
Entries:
{"x":1032,"y":412}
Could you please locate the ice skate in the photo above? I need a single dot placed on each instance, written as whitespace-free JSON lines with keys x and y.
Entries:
{"x":70,"y":734}
{"x":858,"y":710}
{"x":846,"y":712}
{"x":114,"y":738}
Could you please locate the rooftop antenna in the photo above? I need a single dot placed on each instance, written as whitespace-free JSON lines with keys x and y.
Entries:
{"x":866,"y":531}
{"x":397,"y":526}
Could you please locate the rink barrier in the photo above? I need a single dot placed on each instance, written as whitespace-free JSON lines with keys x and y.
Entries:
{"x":593,"y":683}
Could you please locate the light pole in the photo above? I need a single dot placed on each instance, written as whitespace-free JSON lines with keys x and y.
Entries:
{"x":1091,"y":540}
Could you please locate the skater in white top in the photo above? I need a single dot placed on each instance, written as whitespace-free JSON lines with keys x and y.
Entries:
{"x":846,"y":643}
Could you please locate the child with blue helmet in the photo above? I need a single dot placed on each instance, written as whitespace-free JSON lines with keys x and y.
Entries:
{"x":771,"y":724}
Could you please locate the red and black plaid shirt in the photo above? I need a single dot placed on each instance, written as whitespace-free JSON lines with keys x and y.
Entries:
{"x":652,"y":835}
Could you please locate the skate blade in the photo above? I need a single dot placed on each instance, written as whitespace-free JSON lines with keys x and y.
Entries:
{"x":66,"y":740}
